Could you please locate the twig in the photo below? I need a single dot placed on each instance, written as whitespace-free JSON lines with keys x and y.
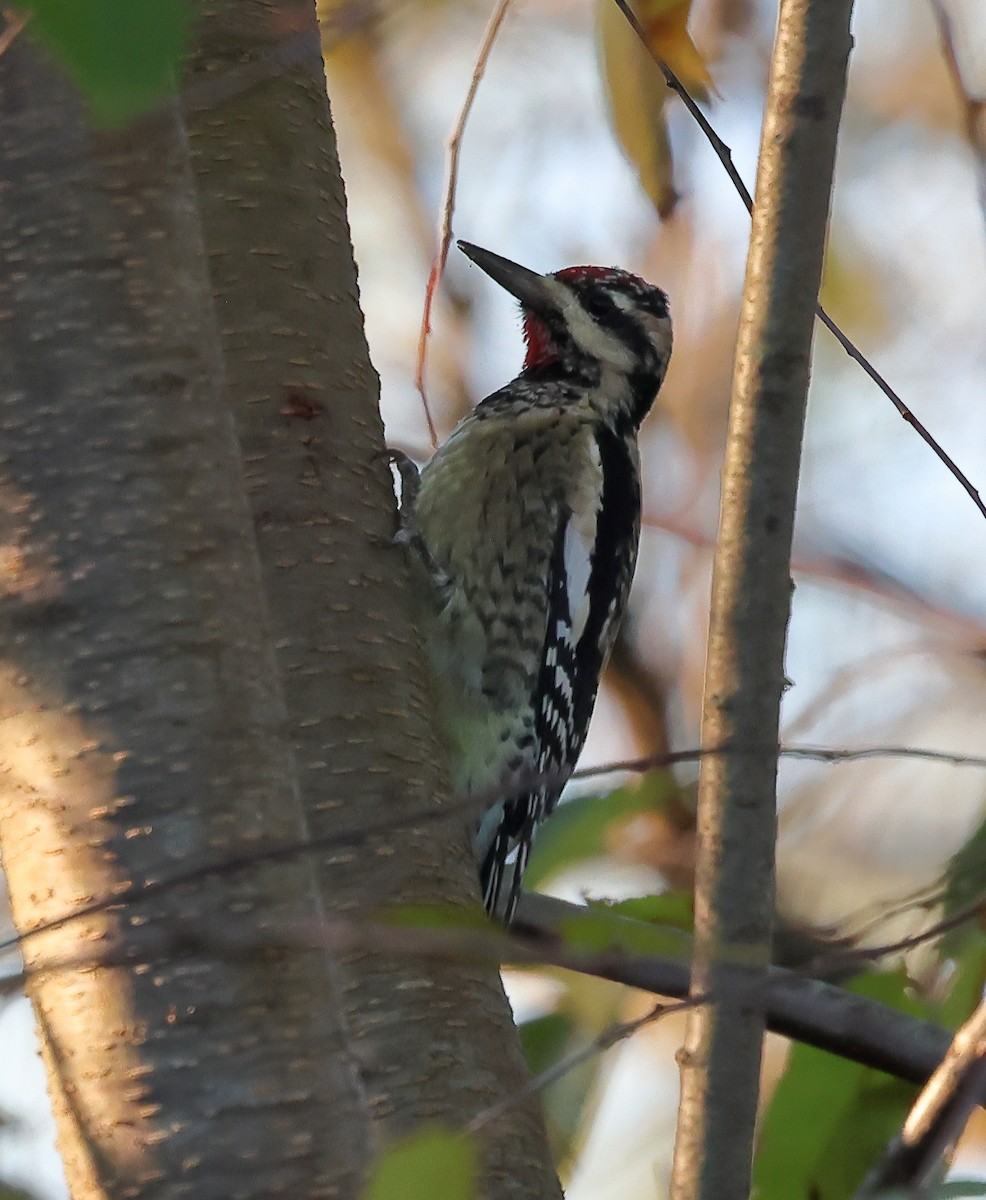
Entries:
{"x":842,"y":571}
{"x":830,"y":754}
{"x":445,"y":225}
{"x":15,"y":26}
{"x":938,"y":1116}
{"x":279,"y":852}
{"x":725,"y":156}
{"x":723,"y":152}
{"x":805,"y":1009}
{"x":919,"y":428}
{"x":611,"y":1036}
{"x":294,"y":849}
{"x":846,"y":572}
{"x":852,"y":961}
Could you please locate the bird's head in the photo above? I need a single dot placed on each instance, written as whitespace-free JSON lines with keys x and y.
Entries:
{"x":587,"y":321}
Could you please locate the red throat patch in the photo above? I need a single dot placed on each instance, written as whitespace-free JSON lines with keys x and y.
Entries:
{"x":540,"y":349}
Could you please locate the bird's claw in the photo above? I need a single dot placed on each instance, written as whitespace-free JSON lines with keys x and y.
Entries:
{"x":408,"y":534}
{"x":410,"y":477}
{"x":409,"y":474}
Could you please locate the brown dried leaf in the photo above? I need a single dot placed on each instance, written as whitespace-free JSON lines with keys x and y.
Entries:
{"x":637,"y":95}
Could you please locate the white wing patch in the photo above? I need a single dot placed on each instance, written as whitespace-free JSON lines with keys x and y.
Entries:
{"x":580,"y":537}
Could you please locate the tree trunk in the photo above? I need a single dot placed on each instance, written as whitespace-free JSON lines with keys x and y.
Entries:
{"x":142,"y":717}
{"x":435,"y":1040}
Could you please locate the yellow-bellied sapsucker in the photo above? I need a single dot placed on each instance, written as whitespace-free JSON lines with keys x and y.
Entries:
{"x":525,"y":526}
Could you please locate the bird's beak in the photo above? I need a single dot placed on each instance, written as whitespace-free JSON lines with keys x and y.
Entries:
{"x":530,"y":288}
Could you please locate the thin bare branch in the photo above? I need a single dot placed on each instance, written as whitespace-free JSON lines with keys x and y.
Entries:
{"x":724,"y":154}
{"x":968,"y":1046}
{"x":938,"y":1116}
{"x":852,"y":960}
{"x":16,"y":24}
{"x":832,"y":754}
{"x":858,"y":576}
{"x":448,"y":208}
{"x":346,"y":839}
{"x":610,"y":1037}
{"x":849,"y":573}
{"x":799,"y":1007}
{"x":919,"y":428}
{"x":272,"y":853}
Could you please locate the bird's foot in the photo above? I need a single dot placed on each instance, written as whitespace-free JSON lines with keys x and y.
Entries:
{"x":410,"y":477}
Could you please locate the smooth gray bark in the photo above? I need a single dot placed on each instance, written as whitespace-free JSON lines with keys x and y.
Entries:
{"x":751,"y":588}
{"x":142,"y":720}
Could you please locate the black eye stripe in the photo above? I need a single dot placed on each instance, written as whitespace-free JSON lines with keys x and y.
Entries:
{"x":598,"y":304}
{"x":655,"y":302}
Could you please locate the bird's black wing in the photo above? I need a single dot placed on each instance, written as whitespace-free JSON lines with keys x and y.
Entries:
{"x":588,"y":582}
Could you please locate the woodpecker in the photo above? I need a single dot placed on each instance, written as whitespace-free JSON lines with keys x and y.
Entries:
{"x":524,"y":527}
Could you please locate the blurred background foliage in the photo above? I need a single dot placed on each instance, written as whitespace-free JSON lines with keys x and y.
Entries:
{"x":575,"y":151}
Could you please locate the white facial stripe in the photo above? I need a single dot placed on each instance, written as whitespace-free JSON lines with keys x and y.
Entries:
{"x":595,"y":341}
{"x":592,"y":339}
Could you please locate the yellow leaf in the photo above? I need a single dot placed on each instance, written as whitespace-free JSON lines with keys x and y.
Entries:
{"x":666,"y":24}
{"x":637,"y":94}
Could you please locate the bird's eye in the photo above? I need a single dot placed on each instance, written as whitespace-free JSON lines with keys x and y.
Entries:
{"x":598,"y":305}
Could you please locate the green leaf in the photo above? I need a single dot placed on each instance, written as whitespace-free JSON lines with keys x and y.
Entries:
{"x":673,"y":909}
{"x":578,"y":828}
{"x":124,"y":54}
{"x":830,"y":1119}
{"x":960,"y":891}
{"x":544,"y":1040}
{"x":438,"y":916}
{"x":893,"y":988}
{"x":964,"y":881}
{"x":966,"y":947}
{"x":547,"y":1042}
{"x":602,"y":928}
{"x":433,"y":1162}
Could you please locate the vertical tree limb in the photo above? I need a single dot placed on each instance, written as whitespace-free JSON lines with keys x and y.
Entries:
{"x":141,"y":718}
{"x":435,"y":1040}
{"x":750,"y":602}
